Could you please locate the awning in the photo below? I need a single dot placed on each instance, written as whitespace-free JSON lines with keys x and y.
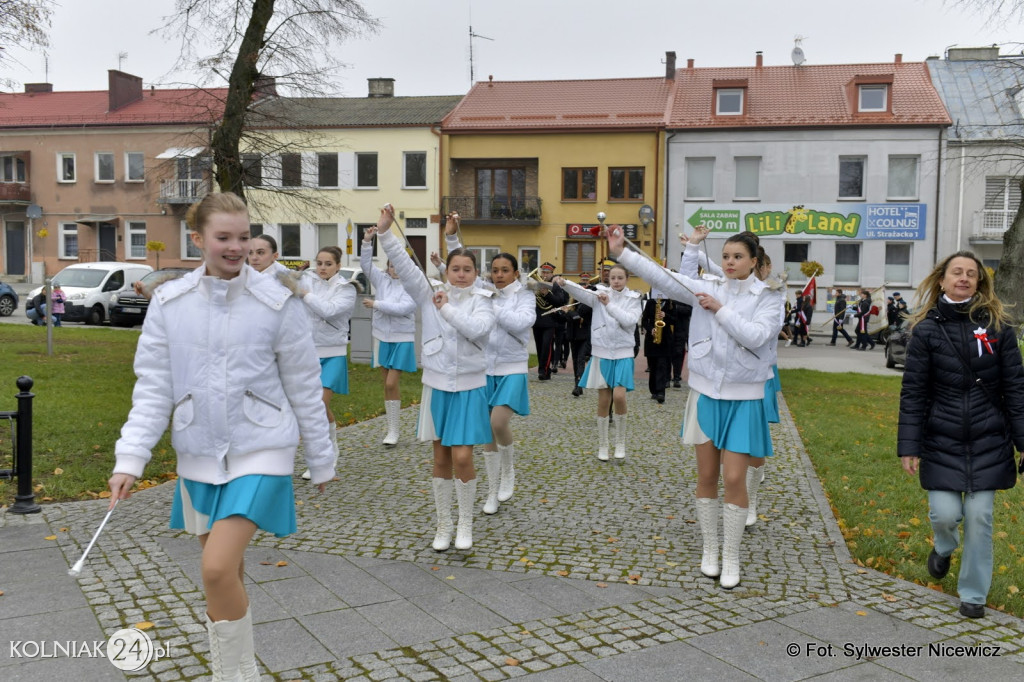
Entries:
{"x":92,"y":218}
{"x":180,"y":152}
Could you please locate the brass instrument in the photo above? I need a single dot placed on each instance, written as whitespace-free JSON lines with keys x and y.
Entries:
{"x":659,"y":325}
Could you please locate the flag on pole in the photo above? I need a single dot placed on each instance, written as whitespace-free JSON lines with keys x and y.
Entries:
{"x":810,"y":292}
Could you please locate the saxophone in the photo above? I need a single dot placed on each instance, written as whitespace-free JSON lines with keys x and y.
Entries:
{"x":659,"y":325}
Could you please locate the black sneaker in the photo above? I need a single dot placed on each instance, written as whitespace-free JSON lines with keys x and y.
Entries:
{"x":676,"y":384}
{"x":938,"y":567}
{"x":660,"y":398}
{"x":577,"y":391}
{"x":972,"y":610}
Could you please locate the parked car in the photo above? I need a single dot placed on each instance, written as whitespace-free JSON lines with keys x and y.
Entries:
{"x":88,"y":287}
{"x":8,"y":299}
{"x":896,"y":344}
{"x":129,"y":307}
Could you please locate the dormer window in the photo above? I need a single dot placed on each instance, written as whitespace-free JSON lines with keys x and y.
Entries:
{"x":873,"y":98}
{"x":729,"y":101}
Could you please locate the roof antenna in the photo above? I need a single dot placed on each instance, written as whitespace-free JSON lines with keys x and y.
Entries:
{"x":471,"y":36}
{"x":121,"y":56}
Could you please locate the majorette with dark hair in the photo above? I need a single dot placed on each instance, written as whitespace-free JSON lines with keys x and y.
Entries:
{"x":731,"y":330}
{"x":394,"y":333}
{"x":616,"y":312}
{"x":230,"y":354}
{"x":547,"y":300}
{"x":457,"y":320}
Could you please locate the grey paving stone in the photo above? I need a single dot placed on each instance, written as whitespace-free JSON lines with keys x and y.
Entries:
{"x":302,"y":596}
{"x":346,"y":633}
{"x":354,"y":585}
{"x":569,"y":673}
{"x":404,"y":622}
{"x":460,"y":613}
{"x":285,"y":644}
{"x":75,"y":624}
{"x":665,"y":663}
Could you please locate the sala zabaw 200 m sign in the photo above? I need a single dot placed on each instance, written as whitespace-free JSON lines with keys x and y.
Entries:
{"x":892,"y":222}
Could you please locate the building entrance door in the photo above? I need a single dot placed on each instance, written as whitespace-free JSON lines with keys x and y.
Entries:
{"x":14,"y":246}
{"x":108,"y":241}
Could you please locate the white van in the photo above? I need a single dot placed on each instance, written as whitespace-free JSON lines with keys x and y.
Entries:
{"x":89,"y":288}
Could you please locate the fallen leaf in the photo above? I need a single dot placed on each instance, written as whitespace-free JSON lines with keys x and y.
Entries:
{"x":511,"y":661}
{"x":144,"y":625}
{"x":670,"y":517}
{"x":449,"y":577}
{"x":613,"y":539}
{"x":890,"y":597}
{"x":544,"y":501}
{"x":635,"y":576}
{"x":58,"y":471}
{"x":562,"y":573}
{"x":602,"y":584}
{"x":435,"y":568}
{"x":63,"y":530}
{"x":279,"y":564}
{"x":660,"y":551}
{"x":524,"y":632}
{"x":903,"y":534}
{"x":50,"y":537}
{"x":915,"y":521}
{"x":1012,"y":589}
{"x":862,"y":613}
{"x":266,"y":563}
{"x":524,"y":560}
{"x":104,"y":495}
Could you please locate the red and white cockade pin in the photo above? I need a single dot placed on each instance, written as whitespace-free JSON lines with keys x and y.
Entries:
{"x":984,"y":343}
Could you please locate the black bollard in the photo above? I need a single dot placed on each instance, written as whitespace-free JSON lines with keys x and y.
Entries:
{"x":25,"y":500}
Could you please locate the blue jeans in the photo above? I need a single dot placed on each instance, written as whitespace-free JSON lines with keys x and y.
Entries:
{"x":37,"y":315}
{"x":948,"y":509}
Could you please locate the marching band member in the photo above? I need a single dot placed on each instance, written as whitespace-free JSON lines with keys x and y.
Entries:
{"x":394,"y":332}
{"x":547,"y":299}
{"x":578,"y":334}
{"x":616,"y":312}
{"x":657,"y":326}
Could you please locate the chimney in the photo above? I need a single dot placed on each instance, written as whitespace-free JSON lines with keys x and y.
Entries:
{"x":899,"y":57}
{"x":759,"y":61}
{"x":123,"y":88}
{"x":670,"y":65}
{"x":264,"y":86}
{"x":689,"y":63}
{"x":961,"y":54}
{"x":381,"y":87}
{"x":33,"y":88}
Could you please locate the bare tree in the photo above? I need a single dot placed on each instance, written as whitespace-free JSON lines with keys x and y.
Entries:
{"x":252,"y":42}
{"x":23,"y":24}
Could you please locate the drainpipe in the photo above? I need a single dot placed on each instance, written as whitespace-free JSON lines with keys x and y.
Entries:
{"x":960,"y":202}
{"x":657,"y":174}
{"x":938,"y":199}
{"x":668,"y":190}
{"x":440,"y":180}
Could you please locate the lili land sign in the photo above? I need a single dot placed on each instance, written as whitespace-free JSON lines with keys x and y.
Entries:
{"x":891,"y":222}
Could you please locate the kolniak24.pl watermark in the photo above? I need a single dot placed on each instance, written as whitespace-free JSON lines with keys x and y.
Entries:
{"x":129,"y":649}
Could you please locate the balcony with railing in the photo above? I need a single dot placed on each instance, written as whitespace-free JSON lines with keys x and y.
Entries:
{"x":990,"y":225}
{"x":14,"y":186}
{"x":15,"y":193}
{"x":515,"y":210}
{"x":183,"y":190}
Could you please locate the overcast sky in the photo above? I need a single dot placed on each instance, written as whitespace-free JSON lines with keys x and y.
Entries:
{"x":424,"y":44}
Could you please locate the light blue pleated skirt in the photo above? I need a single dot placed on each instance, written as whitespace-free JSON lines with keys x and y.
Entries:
{"x":771,"y":396}
{"x":400,"y":355}
{"x":267,"y":501}
{"x":608,"y":374}
{"x":334,"y":373}
{"x":511,"y":390}
{"x":461,"y":417}
{"x":736,"y":425}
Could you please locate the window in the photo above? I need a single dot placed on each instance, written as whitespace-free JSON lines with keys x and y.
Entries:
{"x":136,"y":239}
{"x":897,"y":263}
{"x":291,"y":241}
{"x":366,"y":170}
{"x":579,"y":184}
{"x":68,"y":240}
{"x":578,"y":256}
{"x":12,"y":169}
{"x":104,"y":167}
{"x":748,"y":177}
{"x":499,"y":192}
{"x":847,"y":262}
{"x":1002,"y":198}
{"x":361,"y":229}
{"x":327,"y":170}
{"x":851,"y":177}
{"x":255,"y":230}
{"x":729,"y":101}
{"x":415,"y":164}
{"x":252,"y":170}
{"x":189,"y":251}
{"x":793,"y":256}
{"x":66,"y":167}
{"x":135,"y":166}
{"x":291,"y":170}
{"x":700,"y":178}
{"x":626,"y":184}
{"x":327,"y":235}
{"x":872,"y":97}
{"x":484,"y":254}
{"x":903,"y":177}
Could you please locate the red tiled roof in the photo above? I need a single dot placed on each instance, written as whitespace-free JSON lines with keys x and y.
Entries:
{"x":550,"y":105}
{"x":817,"y":95}
{"x":89,"y":108}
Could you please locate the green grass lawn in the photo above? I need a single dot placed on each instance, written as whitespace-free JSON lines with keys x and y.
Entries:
{"x":83,"y":395}
{"x":848,"y":425}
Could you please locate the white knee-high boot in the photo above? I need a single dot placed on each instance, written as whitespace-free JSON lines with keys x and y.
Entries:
{"x":733,"y":521}
{"x":466,"y":492}
{"x":602,"y":436}
{"x":232,"y":656}
{"x":707,"y":517}
{"x":492,"y":462}
{"x":392,"y":410}
{"x":443,"y":488}
{"x":508,"y":472}
{"x":620,"y":437}
{"x":753,"y":483}
{"x":333,"y":428}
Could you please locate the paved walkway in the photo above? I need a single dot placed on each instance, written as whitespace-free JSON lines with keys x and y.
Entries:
{"x":591,"y":572}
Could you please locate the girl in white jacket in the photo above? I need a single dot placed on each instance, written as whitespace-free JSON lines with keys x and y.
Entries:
{"x":394,"y":332}
{"x":263,"y":255}
{"x":457,"y":319}
{"x":229,"y":353}
{"x":330,"y":300}
{"x":617,"y":311}
{"x":733,"y":324}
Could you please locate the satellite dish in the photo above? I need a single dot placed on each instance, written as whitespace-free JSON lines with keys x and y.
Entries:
{"x":33,"y":211}
{"x":798,"y":52}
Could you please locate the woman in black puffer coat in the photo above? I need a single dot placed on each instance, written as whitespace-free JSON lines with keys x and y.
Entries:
{"x":958,"y":427}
